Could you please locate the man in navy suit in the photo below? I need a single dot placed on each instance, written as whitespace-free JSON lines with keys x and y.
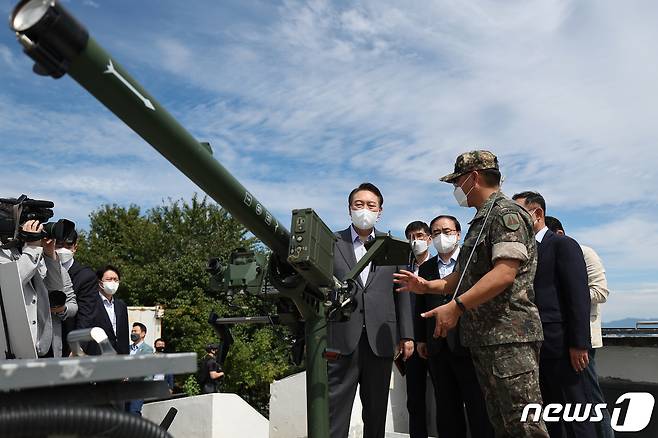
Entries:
{"x":449,"y":363}
{"x":418,"y":233}
{"x":110,"y":313}
{"x":562,"y":297}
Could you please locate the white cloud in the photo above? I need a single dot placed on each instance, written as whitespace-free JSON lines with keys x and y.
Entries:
{"x":626,"y":244}
{"x":640,"y":301}
{"x":7,"y":58}
{"x":381,"y":81}
{"x":305,"y":101}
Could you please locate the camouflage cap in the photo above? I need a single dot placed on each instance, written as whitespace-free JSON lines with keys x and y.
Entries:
{"x":470,"y":161}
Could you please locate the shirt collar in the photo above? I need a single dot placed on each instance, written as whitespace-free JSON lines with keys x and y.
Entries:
{"x":355,"y":236}
{"x":540,"y":234}
{"x":105,"y":299}
{"x":415,"y":264}
{"x":427,"y":256}
{"x":453,"y":257}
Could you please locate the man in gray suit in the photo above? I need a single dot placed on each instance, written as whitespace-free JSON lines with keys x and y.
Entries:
{"x":36,"y":286}
{"x":379,"y":327}
{"x":138,"y":347}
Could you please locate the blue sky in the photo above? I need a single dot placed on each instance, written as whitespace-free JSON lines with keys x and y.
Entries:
{"x":304,"y":100}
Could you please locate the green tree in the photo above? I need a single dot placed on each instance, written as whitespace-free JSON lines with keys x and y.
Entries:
{"x":162,"y":256}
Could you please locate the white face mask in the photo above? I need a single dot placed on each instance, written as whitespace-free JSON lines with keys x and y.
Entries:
{"x":532,"y":216}
{"x":419,"y":246}
{"x":364,"y":219}
{"x":460,"y":196}
{"x":65,"y":255}
{"x":110,"y":287}
{"x":444,"y":243}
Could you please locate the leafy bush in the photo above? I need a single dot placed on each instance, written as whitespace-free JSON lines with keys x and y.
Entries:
{"x":162,"y":256}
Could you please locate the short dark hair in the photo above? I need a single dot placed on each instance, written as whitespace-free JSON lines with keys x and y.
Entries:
{"x":369,"y":187}
{"x":211,"y":347}
{"x":531,"y":198}
{"x":159,"y":340}
{"x":491,"y":177}
{"x":417,"y":226}
{"x":106,"y":268}
{"x":554,"y":224}
{"x":458,"y":226}
{"x":141,"y":326}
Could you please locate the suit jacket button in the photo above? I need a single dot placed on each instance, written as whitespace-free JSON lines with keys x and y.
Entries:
{"x":34,"y":301}
{"x":34,"y":322}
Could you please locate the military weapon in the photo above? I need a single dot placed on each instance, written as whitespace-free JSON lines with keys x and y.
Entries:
{"x":300,"y":266}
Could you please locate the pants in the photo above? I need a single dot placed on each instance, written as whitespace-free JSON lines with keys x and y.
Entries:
{"x":209,"y":388}
{"x":559,"y":383}
{"x":373,"y":373}
{"x":416,"y":378}
{"x":595,"y":396}
{"x":455,"y":385}
{"x":509,"y":378}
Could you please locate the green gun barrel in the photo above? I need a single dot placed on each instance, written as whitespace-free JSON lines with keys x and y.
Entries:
{"x":60,"y":45}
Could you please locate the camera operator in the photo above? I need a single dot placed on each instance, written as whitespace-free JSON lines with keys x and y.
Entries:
{"x":36,"y":284}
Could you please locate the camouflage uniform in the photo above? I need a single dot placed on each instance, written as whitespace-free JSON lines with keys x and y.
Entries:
{"x":504,"y":334}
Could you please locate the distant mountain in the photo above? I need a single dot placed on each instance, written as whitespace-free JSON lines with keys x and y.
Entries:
{"x":627,"y":322}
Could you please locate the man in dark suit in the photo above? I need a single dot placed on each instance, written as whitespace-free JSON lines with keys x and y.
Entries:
{"x":110,"y":313}
{"x":418,"y":233}
{"x":449,"y":363}
{"x":85,"y":286}
{"x":562,"y":297}
{"x":379,"y":326}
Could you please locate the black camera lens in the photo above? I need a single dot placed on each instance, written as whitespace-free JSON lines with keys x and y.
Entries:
{"x":59,"y":230}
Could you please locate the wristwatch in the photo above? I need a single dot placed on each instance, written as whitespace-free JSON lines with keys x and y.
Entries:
{"x":460,"y":304}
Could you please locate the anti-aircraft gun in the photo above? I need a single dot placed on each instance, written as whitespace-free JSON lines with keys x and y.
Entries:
{"x":300,"y":266}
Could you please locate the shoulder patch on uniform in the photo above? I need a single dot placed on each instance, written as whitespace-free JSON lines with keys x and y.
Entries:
{"x":512,"y":221}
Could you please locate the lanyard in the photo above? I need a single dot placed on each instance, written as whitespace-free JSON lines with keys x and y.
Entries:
{"x":470,"y":256}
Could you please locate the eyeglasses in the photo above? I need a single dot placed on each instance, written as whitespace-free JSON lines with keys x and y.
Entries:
{"x":418,"y":236}
{"x":446,"y":231}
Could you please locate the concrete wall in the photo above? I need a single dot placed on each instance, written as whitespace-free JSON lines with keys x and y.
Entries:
{"x":288,"y":408}
{"x":637,"y":364}
{"x":210,"y":416}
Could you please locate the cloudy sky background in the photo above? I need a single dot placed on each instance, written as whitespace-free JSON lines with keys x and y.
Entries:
{"x":304,"y":100}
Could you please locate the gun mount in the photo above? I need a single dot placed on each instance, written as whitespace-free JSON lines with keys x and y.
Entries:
{"x":300,"y":266}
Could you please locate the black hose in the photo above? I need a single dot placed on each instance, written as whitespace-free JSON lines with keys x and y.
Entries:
{"x":83,"y":421}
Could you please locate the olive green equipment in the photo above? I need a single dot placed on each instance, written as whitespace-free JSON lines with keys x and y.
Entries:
{"x":300,"y":265}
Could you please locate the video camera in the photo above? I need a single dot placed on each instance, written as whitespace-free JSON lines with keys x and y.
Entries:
{"x":14,"y":212}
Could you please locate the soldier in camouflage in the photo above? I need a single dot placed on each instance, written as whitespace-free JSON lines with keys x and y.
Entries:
{"x":494,"y":301}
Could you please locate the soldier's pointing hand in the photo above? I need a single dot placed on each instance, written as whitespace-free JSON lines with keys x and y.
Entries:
{"x":446,"y":317}
{"x":410,"y":282}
